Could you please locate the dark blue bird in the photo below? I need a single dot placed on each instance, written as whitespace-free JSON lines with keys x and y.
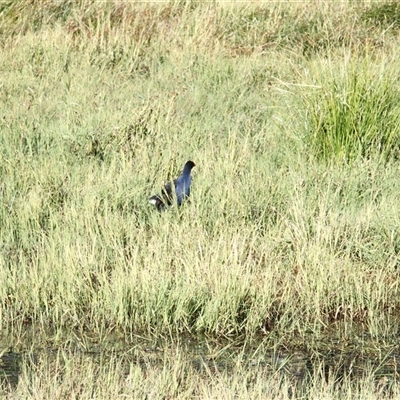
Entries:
{"x":182,"y":189}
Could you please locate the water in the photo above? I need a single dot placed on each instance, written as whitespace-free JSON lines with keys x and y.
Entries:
{"x":332,"y":359}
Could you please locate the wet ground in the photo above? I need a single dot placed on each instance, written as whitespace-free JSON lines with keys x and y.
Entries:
{"x":331,"y":358}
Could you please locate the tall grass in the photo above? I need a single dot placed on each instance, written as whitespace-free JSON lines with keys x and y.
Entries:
{"x":102,"y":102}
{"x":352,"y":109}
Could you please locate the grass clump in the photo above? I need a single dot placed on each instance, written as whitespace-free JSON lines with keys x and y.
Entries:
{"x":352,"y":110}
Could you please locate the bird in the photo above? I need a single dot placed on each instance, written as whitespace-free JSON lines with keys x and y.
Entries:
{"x":182,"y":189}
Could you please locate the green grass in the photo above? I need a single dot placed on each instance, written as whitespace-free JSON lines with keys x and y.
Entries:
{"x":352,"y":109}
{"x":102,"y":102}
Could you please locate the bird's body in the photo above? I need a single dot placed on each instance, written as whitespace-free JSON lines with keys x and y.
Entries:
{"x":181,"y":186}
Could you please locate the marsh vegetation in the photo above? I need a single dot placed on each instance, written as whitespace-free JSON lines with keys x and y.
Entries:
{"x":290,"y":242}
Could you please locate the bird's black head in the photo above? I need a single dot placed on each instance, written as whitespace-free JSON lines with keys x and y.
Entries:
{"x":189,"y":165}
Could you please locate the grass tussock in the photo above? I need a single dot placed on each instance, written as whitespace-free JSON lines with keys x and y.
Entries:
{"x":352,"y":109}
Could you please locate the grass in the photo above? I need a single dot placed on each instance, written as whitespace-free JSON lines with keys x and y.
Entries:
{"x":102,"y":102}
{"x":140,"y":374}
{"x":353,"y":110}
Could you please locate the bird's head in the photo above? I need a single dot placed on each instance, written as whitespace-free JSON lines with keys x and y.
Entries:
{"x":188,"y":166}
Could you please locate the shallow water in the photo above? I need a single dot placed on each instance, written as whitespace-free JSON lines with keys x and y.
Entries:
{"x":332,"y":359}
